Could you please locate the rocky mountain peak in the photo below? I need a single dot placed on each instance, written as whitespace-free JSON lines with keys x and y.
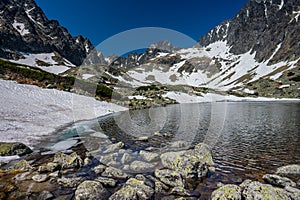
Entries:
{"x":263,"y":27}
{"x":25,"y":28}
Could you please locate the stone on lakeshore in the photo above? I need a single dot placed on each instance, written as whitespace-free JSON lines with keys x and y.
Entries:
{"x":289,"y":169}
{"x":278,"y":181}
{"x":169,"y":177}
{"x":91,"y":190}
{"x":114,"y":147}
{"x":69,"y":182}
{"x":40,"y":178}
{"x":108,"y":182}
{"x":22,"y":165}
{"x":139,"y":167}
{"x":256,"y":190}
{"x":49,"y":167}
{"x":68,"y":161}
{"x":227,"y":192}
{"x":14,"y":148}
{"x":133,"y":189}
{"x":112,"y":172}
{"x":125,"y":193}
{"x":149,"y":156}
{"x":55,"y":174}
{"x":191,"y":164}
{"x":180,"y":191}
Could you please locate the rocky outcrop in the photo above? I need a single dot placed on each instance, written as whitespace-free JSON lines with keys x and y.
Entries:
{"x":91,"y":190}
{"x":260,"y":26}
{"x":15,"y":148}
{"x":25,"y":28}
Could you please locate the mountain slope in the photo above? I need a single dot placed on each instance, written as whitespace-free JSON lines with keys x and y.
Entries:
{"x":256,"y":53}
{"x":25,"y":30}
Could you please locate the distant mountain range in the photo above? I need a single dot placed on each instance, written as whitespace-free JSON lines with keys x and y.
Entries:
{"x":257,"y":53}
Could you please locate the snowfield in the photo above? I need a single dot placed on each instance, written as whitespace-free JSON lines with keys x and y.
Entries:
{"x":28,"y":112}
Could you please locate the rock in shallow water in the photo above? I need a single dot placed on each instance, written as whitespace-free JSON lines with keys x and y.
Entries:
{"x":226,"y":192}
{"x":133,"y":189}
{"x":289,"y":169}
{"x":40,"y":178}
{"x":68,"y":161}
{"x":91,"y":190}
{"x":278,"y":180}
{"x":139,"y":167}
{"x":170,"y":177}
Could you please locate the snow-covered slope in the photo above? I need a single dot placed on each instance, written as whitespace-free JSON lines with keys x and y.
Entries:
{"x":28,"y":112}
{"x":195,"y":65}
{"x":46,"y":61}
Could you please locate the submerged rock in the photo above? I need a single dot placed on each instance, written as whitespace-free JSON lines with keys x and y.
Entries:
{"x":13,"y":148}
{"x":278,"y":180}
{"x":149,"y":156}
{"x":45,"y":195}
{"x":289,"y":169}
{"x":227,"y":192}
{"x":91,"y":190}
{"x":126,"y":158}
{"x":114,"y":147}
{"x":139,"y":166}
{"x":112,"y":172}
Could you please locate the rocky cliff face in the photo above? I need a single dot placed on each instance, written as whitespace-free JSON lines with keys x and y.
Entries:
{"x":262,"y":26}
{"x":25,"y":28}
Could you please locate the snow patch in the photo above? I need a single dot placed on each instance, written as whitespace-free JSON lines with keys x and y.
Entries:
{"x":20,"y":27}
{"x":29,"y":113}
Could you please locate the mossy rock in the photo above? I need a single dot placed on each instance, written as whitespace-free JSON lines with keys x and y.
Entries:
{"x":14,"y":148}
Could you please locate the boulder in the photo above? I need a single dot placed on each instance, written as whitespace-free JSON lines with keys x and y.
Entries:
{"x":227,"y":192}
{"x":110,"y":159}
{"x":68,"y":161}
{"x":133,"y":189}
{"x":99,"y":169}
{"x":91,"y":190}
{"x":69,"y":182}
{"x":14,"y":148}
{"x":169,"y":177}
{"x":49,"y":167}
{"x":191,"y":164}
{"x":115,"y":173}
{"x":278,"y":180}
{"x":256,"y":190}
{"x":294,"y":193}
{"x":289,"y":169}
{"x":107,"y":182}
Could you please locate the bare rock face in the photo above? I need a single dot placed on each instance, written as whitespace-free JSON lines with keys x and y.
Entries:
{"x":260,"y":26}
{"x":25,"y":28}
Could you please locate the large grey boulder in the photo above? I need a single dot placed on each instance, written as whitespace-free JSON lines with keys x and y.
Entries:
{"x":68,"y":161}
{"x":91,"y":190}
{"x":227,"y":192}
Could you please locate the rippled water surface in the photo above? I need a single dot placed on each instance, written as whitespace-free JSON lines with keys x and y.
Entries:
{"x":248,"y":139}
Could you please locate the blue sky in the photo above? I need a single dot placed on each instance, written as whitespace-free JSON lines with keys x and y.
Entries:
{"x":100,"y":20}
